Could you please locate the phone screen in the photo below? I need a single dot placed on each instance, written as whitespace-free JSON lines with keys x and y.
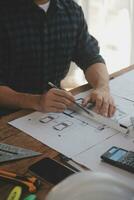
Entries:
{"x":50,"y":170}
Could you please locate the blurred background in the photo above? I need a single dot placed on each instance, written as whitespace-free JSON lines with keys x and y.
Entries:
{"x":112,"y":23}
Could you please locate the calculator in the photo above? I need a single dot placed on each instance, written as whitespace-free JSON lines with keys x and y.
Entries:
{"x":120,"y":158}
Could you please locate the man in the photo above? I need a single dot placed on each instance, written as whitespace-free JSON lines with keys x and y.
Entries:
{"x":38,"y":40}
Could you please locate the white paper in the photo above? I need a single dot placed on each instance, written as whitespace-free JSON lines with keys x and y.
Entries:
{"x":121,"y":117}
{"x":124,"y":107}
{"x":123,"y":85}
{"x":70,"y":135}
{"x":67,"y":135}
{"x":91,"y":158}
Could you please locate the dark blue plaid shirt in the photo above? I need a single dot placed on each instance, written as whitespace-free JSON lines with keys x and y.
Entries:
{"x":36,"y":47}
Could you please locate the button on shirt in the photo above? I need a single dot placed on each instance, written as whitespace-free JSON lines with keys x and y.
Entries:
{"x":37,"y":47}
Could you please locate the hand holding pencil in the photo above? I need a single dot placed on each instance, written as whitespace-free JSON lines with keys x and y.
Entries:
{"x":73,"y":101}
{"x":56,"y":100}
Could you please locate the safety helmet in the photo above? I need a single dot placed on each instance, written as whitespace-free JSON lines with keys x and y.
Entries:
{"x":91,"y":186}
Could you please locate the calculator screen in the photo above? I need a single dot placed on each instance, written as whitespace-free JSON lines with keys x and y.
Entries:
{"x":118,"y":155}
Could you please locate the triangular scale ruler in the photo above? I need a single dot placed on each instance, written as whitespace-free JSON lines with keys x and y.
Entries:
{"x":10,"y":152}
{"x":122,"y":126}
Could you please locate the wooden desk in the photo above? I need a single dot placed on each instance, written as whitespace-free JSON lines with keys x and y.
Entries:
{"x":10,"y":135}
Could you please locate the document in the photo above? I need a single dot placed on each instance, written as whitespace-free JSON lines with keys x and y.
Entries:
{"x":123,"y":85}
{"x":121,"y":120}
{"x":67,"y":135}
{"x":71,"y":132}
{"x":124,"y":107}
{"x":91,"y":157}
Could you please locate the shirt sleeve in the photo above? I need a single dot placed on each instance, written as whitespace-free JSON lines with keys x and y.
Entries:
{"x":3,"y":56}
{"x":87,"y":51}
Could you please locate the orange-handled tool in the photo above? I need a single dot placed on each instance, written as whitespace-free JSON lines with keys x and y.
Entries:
{"x":32,"y":183}
{"x":31,"y":187}
{"x":31,"y":179}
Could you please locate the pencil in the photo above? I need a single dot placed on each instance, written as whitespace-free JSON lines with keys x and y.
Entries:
{"x":77,"y":104}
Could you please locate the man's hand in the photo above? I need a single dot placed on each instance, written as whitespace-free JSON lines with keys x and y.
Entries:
{"x":104,"y":103}
{"x":55,"y":100}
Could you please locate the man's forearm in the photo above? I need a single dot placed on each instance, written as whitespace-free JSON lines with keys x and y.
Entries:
{"x":97,"y":76}
{"x":12,"y":99}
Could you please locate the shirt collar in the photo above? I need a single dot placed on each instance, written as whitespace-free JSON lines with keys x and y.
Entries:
{"x":55,"y":6}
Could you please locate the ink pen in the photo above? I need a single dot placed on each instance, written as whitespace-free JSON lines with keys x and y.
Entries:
{"x":72,"y":164}
{"x":77,"y":104}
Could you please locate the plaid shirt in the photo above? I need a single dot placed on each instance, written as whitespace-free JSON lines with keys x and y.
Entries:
{"x":36,"y":47}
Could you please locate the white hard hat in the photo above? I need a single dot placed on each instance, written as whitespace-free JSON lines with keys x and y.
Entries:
{"x":91,"y":186}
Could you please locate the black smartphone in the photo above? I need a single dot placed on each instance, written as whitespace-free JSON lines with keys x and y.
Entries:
{"x":120,"y":158}
{"x":50,"y":170}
